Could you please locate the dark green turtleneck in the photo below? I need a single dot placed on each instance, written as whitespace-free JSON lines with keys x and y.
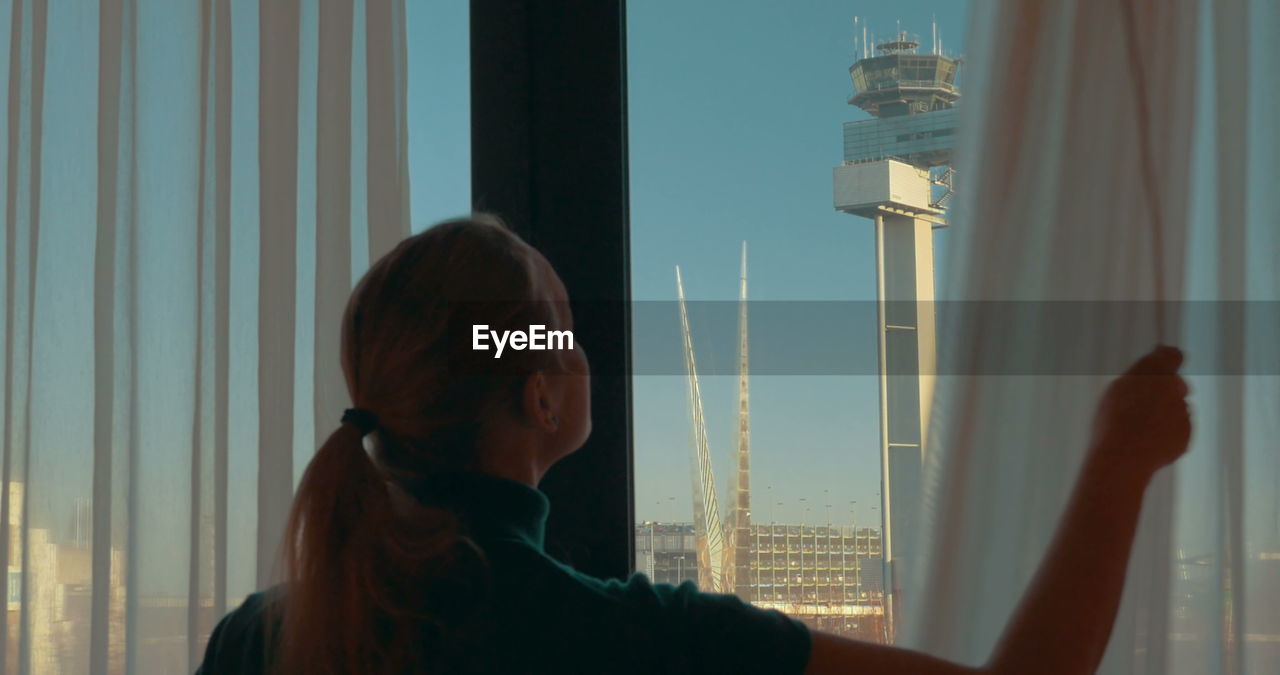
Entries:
{"x":547,"y":617}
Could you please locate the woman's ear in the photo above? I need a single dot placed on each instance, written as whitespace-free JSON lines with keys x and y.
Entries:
{"x":537,"y":404}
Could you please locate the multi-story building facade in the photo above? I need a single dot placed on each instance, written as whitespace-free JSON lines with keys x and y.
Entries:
{"x":830,"y":577}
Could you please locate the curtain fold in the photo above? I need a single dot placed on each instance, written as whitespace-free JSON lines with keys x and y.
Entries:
{"x":27,"y":32}
{"x":1231,"y":88}
{"x":1110,"y":159}
{"x":279,"y":27}
{"x":387,"y":119}
{"x":333,"y":209}
{"x":171,"y":302}
{"x":110,"y":307}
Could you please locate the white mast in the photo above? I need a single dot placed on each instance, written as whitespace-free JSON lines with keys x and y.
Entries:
{"x":737,"y":579}
{"x":708,"y":533}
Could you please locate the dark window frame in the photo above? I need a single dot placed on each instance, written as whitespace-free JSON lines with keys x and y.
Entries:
{"x":549,"y":155}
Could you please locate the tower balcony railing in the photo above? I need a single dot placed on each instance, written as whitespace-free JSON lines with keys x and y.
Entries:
{"x":908,"y":84}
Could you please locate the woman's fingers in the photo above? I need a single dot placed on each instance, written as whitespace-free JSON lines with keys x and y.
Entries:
{"x":1182,"y":388}
{"x":1163,"y":360}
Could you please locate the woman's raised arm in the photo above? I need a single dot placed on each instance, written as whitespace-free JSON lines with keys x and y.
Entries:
{"x":1143,"y":423}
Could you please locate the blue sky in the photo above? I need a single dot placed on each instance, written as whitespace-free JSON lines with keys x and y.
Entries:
{"x":735,"y":124}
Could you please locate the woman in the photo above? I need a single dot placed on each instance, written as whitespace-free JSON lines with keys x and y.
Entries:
{"x":426,"y":555}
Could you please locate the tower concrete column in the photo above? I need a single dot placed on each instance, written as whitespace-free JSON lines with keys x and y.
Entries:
{"x":907,"y":345}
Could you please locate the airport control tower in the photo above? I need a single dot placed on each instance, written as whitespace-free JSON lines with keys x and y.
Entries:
{"x":896,"y":173}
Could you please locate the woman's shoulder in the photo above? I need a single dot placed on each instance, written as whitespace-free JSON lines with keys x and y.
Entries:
{"x":238,"y":642}
{"x":715,"y":630}
{"x":685,"y":602}
{"x":640,"y":588}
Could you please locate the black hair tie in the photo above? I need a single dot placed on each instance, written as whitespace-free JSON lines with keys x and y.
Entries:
{"x":363,"y":420}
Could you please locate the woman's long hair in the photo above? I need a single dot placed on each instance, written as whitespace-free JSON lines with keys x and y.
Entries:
{"x":373,"y":586}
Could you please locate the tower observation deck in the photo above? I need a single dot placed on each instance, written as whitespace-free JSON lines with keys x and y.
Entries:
{"x":896,"y":172}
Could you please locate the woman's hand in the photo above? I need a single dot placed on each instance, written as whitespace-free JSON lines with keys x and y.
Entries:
{"x":1142,"y":424}
{"x":1143,"y":420}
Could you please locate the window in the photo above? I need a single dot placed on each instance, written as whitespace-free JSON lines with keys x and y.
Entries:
{"x":703,"y":200}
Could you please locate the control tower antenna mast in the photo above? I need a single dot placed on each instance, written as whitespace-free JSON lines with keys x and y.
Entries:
{"x":855,"y":38}
{"x":892,"y":164}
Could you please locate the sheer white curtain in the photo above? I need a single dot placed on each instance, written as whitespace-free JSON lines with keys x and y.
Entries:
{"x":188,"y":190}
{"x":1119,"y":154}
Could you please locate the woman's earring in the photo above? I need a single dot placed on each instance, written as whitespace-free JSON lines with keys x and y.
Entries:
{"x":555,"y":420}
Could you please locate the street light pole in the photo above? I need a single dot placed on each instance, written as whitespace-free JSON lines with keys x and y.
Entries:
{"x":786,"y":561}
{"x":773,"y":572}
{"x":857,"y":562}
{"x":653,"y":555}
{"x":803,"y":521}
{"x":877,"y":508}
{"x":827,"y":545}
